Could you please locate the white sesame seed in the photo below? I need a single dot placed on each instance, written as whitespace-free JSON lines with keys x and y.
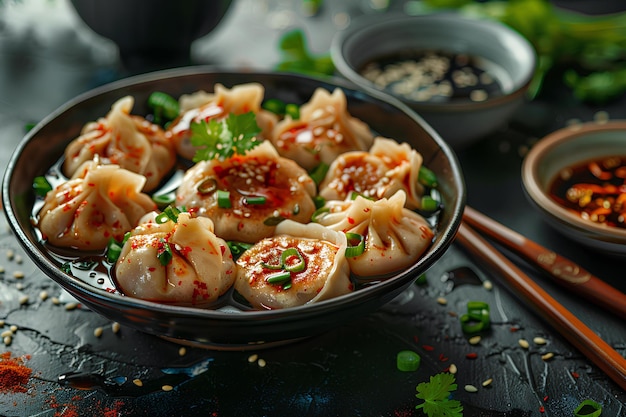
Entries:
{"x":547,"y":356}
{"x":2,"y":323}
{"x":452,"y":368}
{"x":523,"y":343}
{"x":442,"y":301}
{"x":540,"y":340}
{"x":19,"y":286}
{"x":98,"y":331}
{"x":56,"y":301}
{"x":488,"y":285}
{"x":7,"y":340}
{"x":471,"y":388}
{"x":19,"y":259}
{"x":182,"y":351}
{"x":23,"y":299}
{"x":138,"y":382}
{"x":10,"y":254}
{"x":262,"y":363}
{"x":474,"y":340}
{"x":487,"y":382}
{"x":18,"y":274}
{"x":71,"y":306}
{"x":252,"y":358}
{"x":167,"y":387}
{"x":6,"y":333}
{"x":43,"y":295}
{"x":115,"y":327}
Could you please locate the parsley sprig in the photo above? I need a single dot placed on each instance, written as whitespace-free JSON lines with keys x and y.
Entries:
{"x":436,"y":396}
{"x":235,"y":134}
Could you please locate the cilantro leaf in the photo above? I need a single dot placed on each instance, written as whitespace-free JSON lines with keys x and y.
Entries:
{"x":236,"y":134}
{"x":436,"y":396}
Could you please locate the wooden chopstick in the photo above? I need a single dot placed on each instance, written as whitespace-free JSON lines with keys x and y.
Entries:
{"x":564,"y":271}
{"x":566,"y":323}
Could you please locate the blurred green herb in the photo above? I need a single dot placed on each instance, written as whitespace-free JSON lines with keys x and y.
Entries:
{"x":297,"y":58}
{"x":436,"y":396}
{"x":591,"y":48}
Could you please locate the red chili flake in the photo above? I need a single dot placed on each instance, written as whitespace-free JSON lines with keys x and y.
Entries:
{"x":575,"y":374}
{"x":350,"y":220}
{"x":513,"y":329}
{"x":443,"y":358}
{"x":471,"y":355}
{"x":545,"y":398}
{"x":428,"y":348}
{"x":542,"y":409}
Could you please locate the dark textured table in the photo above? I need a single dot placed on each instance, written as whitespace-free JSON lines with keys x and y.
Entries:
{"x":47,"y":57}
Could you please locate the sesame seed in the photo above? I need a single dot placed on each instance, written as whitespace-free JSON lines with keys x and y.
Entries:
{"x":13,"y":328}
{"x":488,"y":285}
{"x":540,"y":340}
{"x":474,"y":340}
{"x":43,"y":295}
{"x":523,"y":343}
{"x":1,"y":270}
{"x":452,"y":368}
{"x":56,"y":301}
{"x":10,"y":254}
{"x":442,"y":301}
{"x":487,"y":382}
{"x":253,"y":358}
{"x":19,"y":259}
{"x":19,"y":286}
{"x":2,"y":323}
{"x":23,"y":299}
{"x":138,"y":382}
{"x":7,"y":340}
{"x":115,"y":327}
{"x":601,"y":117}
{"x":262,"y":363}
{"x":167,"y":387}
{"x":98,"y":331}
{"x":547,"y":356}
{"x":6,"y":333}
{"x":182,"y":351}
{"x":471,"y":388}
{"x":18,"y":274}
{"x":71,"y":306}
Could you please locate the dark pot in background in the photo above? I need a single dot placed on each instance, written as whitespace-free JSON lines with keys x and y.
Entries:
{"x":152,"y":34}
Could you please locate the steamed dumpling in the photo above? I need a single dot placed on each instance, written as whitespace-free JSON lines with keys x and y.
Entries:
{"x":262,"y":189}
{"x":389,"y":166}
{"x":319,"y":269}
{"x":324,"y":130}
{"x":99,"y":203}
{"x":126,"y":140}
{"x":200,"y":270}
{"x":395,"y":237}
{"x":200,"y":106}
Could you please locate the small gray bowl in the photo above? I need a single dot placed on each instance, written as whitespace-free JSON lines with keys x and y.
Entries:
{"x":459,"y":122}
{"x":565,"y":148}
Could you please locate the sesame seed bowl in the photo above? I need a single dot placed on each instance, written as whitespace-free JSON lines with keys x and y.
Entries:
{"x":464,"y":76}
{"x":225,"y":324}
{"x":575,"y":177}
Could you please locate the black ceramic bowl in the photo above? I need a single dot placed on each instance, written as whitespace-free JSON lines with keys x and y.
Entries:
{"x":230,"y":329}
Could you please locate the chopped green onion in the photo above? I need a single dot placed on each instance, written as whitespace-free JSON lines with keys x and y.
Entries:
{"x":29,"y":126}
{"x":113,"y":251}
{"x":477,"y":317}
{"x":255,"y":200}
{"x":588,"y":408}
{"x":429,"y":203}
{"x":163,"y":200}
{"x":279,"y":277}
{"x":319,"y":213}
{"x":353,"y":195}
{"x":223,"y":199}
{"x":287,"y":285}
{"x":319,"y":201}
{"x":319,"y":172}
{"x":408,"y":361}
{"x":290,"y":253}
{"x":164,"y":252}
{"x":355,"y":249}
{"x":237,"y":248}
{"x":427,"y":177}
{"x":273,"y":221}
{"x":421,"y":280}
{"x":169,"y":213}
{"x":207,"y":187}
{"x":274,"y":105}
{"x":273,"y":267}
{"x":292,"y":110}
{"x":164,"y":106}
{"x":41,"y":186}
{"x":67,"y":268}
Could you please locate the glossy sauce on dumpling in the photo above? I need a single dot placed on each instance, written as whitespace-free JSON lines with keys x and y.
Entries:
{"x":262,"y":187}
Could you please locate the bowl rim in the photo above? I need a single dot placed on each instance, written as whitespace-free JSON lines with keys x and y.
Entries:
{"x":99,"y":297}
{"x":398,"y":19}
{"x":531,"y":179}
